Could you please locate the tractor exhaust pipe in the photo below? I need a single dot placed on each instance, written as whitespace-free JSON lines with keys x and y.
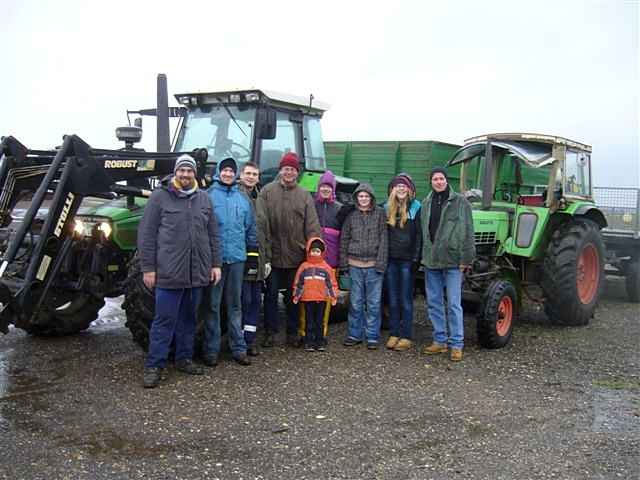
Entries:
{"x":164,"y":138}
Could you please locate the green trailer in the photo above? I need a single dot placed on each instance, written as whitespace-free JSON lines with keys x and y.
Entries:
{"x":379,"y":161}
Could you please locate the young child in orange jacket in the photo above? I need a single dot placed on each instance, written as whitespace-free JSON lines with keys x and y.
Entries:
{"x":315,"y":283}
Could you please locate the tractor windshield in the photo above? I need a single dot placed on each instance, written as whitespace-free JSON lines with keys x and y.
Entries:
{"x":225,"y":131}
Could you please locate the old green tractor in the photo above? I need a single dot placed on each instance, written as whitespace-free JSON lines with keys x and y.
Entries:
{"x":537,"y":230}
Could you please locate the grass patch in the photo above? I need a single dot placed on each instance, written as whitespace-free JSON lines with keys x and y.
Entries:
{"x":618,"y":383}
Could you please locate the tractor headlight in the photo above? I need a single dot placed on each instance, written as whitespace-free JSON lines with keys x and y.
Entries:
{"x":78,"y":228}
{"x":105,"y":228}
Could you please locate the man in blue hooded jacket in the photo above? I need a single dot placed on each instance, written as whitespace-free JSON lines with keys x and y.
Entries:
{"x":237,"y":227}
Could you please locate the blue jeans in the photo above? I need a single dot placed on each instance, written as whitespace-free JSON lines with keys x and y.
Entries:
{"x":251,"y":296}
{"x":175,"y":316}
{"x":231,"y":285}
{"x":284,"y":277}
{"x":435,"y":283}
{"x":364,"y":306}
{"x":399,"y":286}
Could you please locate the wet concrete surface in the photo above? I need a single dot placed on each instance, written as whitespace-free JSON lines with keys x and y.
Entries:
{"x":558,"y":403}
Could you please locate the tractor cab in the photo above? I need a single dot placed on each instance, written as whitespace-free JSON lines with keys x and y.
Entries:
{"x":253,"y":125}
{"x":523,"y":179}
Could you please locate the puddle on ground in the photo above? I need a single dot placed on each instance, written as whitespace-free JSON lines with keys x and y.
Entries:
{"x":110,"y":443}
{"x":616,"y":411}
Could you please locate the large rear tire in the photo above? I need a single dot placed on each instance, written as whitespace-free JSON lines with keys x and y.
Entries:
{"x":497,"y":315}
{"x":633,"y":281}
{"x":573,"y":273}
{"x":63,"y":315}
{"x":139,"y":306}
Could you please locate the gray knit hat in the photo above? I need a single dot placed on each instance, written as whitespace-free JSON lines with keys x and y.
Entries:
{"x":187,"y":161}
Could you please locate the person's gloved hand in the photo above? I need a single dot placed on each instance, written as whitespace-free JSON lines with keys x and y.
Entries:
{"x":267,"y":270}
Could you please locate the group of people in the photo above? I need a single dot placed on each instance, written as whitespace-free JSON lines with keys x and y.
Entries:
{"x":241,"y":241}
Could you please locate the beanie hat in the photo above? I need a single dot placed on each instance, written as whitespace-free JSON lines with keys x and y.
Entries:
{"x":290,"y":159}
{"x":327,"y":178}
{"x":228,"y":162}
{"x":441,"y":170}
{"x":317,"y":244}
{"x":402,"y":179}
{"x":185,"y":161}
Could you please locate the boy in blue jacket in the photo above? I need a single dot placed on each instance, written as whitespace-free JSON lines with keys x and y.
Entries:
{"x":237,"y":227}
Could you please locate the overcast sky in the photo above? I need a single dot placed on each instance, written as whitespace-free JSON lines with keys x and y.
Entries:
{"x":404,"y":70}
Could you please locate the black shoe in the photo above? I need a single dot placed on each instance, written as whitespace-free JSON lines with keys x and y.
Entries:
{"x":294,"y":341}
{"x":321,"y":348}
{"x":151,"y":377}
{"x":350,"y":342}
{"x":187,"y":366}
{"x":242,"y":359}
{"x":309,"y":348}
{"x":210,"y":361}
{"x":267,"y":342}
{"x":372,"y":345}
{"x":252,"y":350}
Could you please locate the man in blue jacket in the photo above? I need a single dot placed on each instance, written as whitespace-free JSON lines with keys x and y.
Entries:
{"x":179,"y":251}
{"x":237,"y":226}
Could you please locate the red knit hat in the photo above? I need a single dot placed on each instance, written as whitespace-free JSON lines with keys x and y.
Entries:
{"x":290,"y":159}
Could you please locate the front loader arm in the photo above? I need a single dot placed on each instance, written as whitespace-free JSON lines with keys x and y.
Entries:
{"x":73,"y":172}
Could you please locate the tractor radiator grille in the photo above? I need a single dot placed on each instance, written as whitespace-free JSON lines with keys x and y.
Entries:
{"x":484,"y":238}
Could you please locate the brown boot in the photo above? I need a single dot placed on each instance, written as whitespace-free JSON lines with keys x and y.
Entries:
{"x":392,"y":342}
{"x":435,"y":348}
{"x":456,"y":354}
{"x":403,"y":345}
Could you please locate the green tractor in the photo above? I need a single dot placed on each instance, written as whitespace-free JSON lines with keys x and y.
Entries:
{"x":537,"y":230}
{"x":60,"y":265}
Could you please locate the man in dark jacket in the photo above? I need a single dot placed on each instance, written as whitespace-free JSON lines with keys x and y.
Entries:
{"x":180,"y":253}
{"x":288,"y":218}
{"x":448,"y":250}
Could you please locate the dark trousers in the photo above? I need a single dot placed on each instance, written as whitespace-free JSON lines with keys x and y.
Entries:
{"x":175,"y":316}
{"x":251,"y":292}
{"x":315,"y":328}
{"x":284,"y":277}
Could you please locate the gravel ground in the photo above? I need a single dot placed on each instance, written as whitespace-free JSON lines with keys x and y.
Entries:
{"x":558,"y":403}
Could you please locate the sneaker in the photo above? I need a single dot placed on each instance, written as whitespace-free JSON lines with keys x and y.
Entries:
{"x":309,"y":348}
{"x":321,"y":348}
{"x":210,"y":361}
{"x":392,"y":342}
{"x":294,"y":341}
{"x":252,"y":350}
{"x":350,"y":342}
{"x":242,"y":359}
{"x":151,"y":377}
{"x":403,"y":345}
{"x":372,"y":345}
{"x":267,"y":342}
{"x":435,"y":348}
{"x":456,"y":354}
{"x":188,"y":367}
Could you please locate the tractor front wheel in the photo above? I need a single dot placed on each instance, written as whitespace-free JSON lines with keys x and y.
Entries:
{"x":573,"y":273}
{"x":64,"y":314}
{"x":497,"y":315}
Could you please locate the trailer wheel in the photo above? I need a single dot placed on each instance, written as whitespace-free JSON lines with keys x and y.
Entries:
{"x":139,"y":305}
{"x":633,"y":281}
{"x":573,"y":273}
{"x":63,"y":315}
{"x":497,"y":315}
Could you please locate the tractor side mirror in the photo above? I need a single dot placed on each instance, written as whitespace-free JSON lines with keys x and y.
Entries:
{"x":267,"y":123}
